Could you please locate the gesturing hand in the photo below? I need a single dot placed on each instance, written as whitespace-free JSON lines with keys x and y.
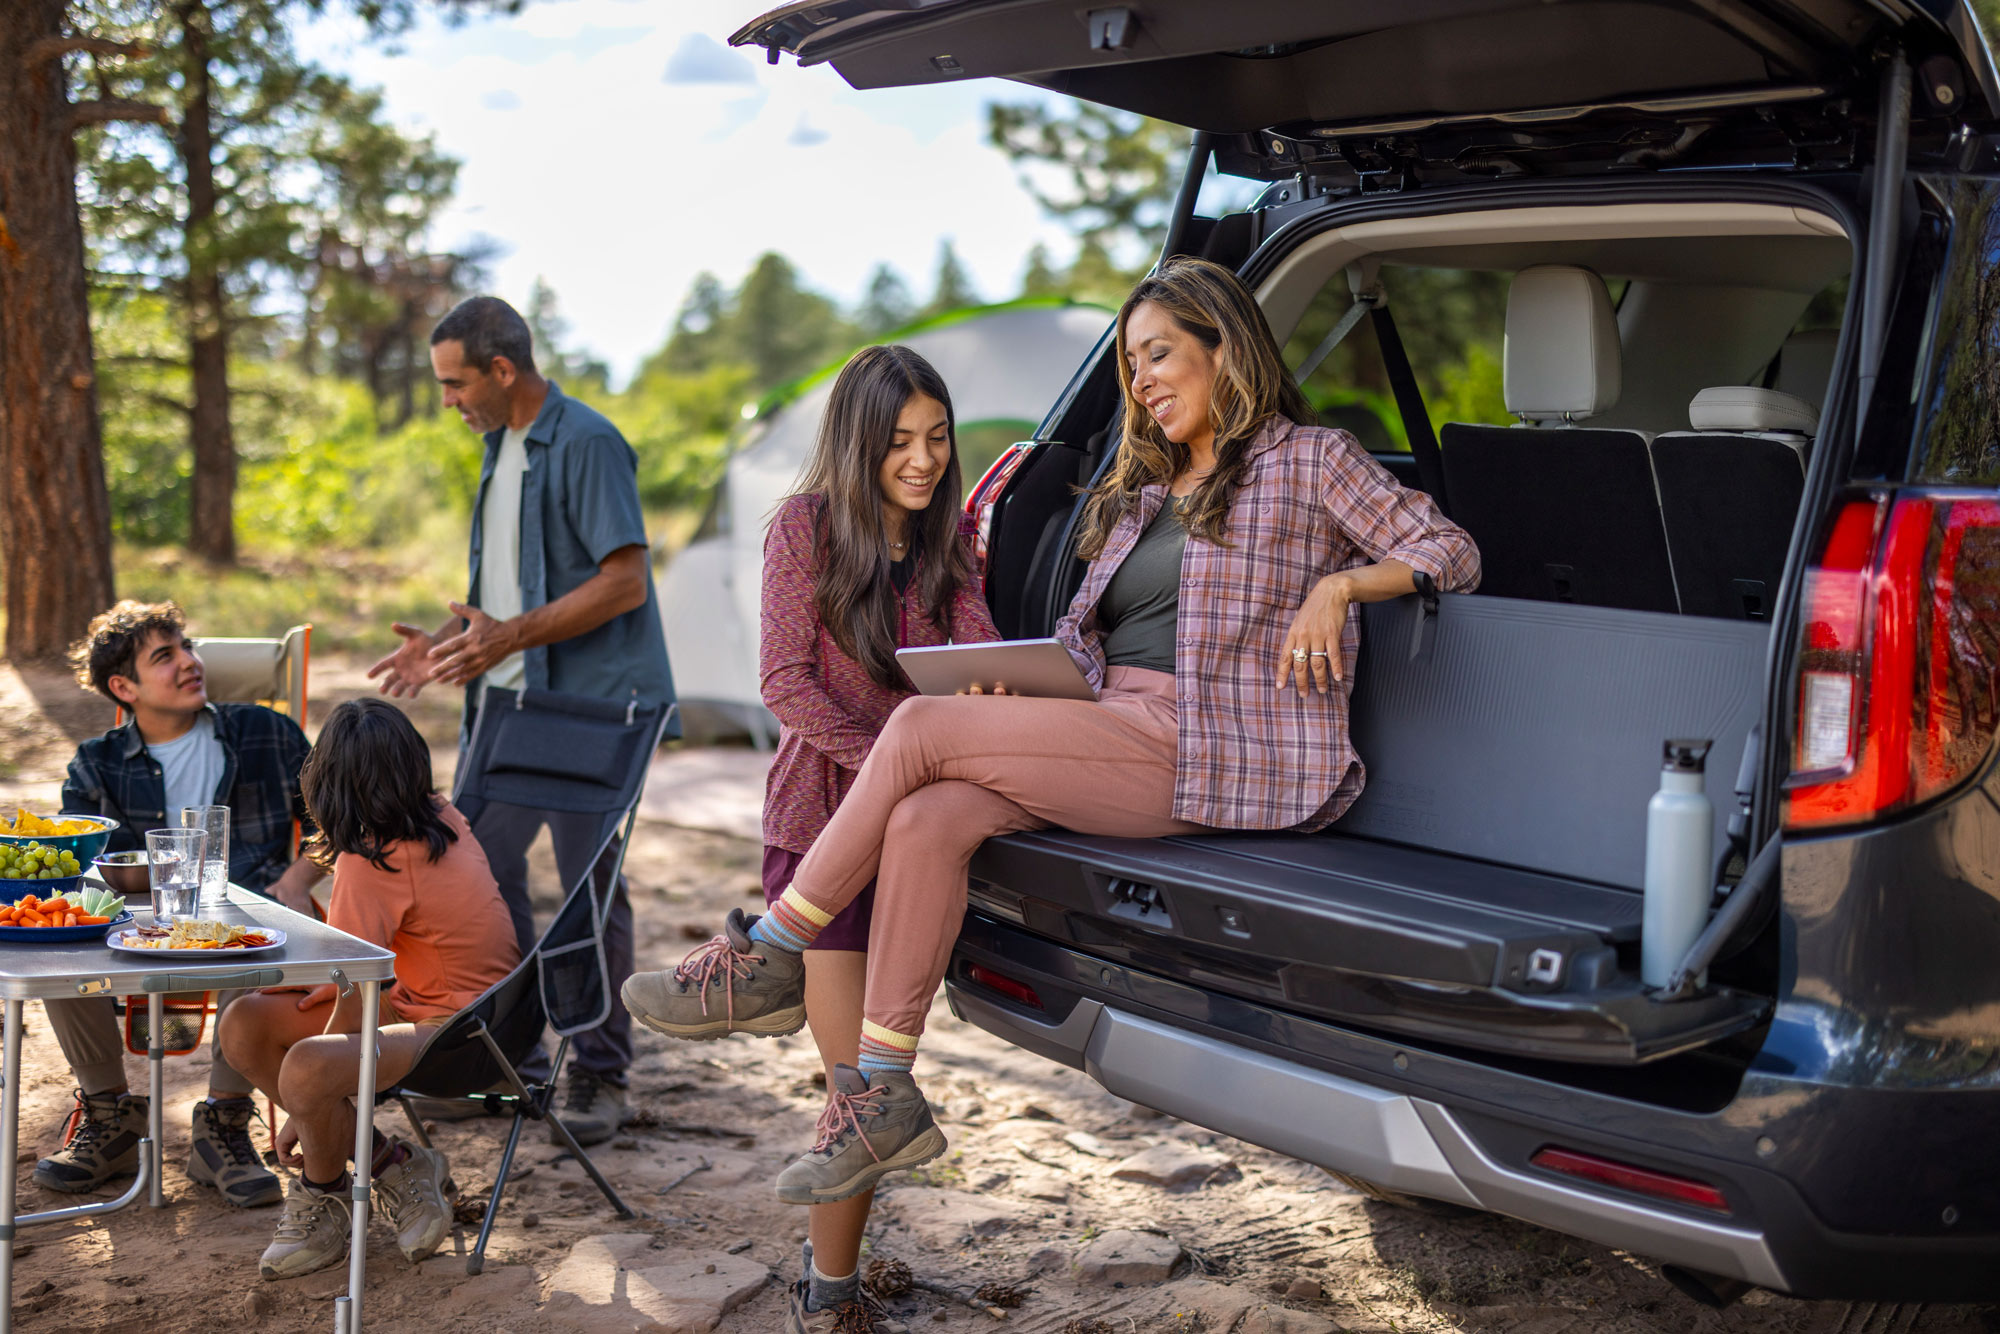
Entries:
{"x":405,"y":671}
{"x":475,"y":650}
{"x":1311,"y":652}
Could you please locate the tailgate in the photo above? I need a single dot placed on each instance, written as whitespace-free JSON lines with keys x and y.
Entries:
{"x":1384,"y":937}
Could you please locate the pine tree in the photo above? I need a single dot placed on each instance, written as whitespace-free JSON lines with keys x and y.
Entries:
{"x":952,"y":288}
{"x":886,"y":304}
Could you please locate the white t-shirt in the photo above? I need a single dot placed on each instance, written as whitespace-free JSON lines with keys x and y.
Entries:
{"x":191,"y":766}
{"x":500,"y":549}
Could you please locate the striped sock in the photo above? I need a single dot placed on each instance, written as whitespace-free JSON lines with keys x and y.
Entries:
{"x":884,"y":1050}
{"x":792,"y":924}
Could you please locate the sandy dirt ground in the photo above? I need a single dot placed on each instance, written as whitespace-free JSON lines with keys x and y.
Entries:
{"x":1101,"y":1217}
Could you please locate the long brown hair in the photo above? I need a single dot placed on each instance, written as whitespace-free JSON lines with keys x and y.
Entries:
{"x":854,"y":595}
{"x":1252,"y":385}
{"x":367,"y":785}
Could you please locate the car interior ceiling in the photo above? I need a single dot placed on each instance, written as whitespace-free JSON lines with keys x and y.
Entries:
{"x":1657,"y":445}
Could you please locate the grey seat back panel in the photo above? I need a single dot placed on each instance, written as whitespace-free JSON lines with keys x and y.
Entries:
{"x":1528,"y":733}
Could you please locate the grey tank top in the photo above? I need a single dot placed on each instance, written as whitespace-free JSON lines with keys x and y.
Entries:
{"x":1141,"y":606}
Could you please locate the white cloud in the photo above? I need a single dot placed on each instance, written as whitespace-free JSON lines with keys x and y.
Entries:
{"x":701,"y":59}
{"x":620,"y":187}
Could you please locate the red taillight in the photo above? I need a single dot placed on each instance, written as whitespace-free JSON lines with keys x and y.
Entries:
{"x":1003,"y":984}
{"x":1900,"y":641}
{"x":984,"y":497}
{"x":1624,"y":1176}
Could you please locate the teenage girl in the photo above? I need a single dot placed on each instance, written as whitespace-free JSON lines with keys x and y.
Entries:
{"x":868,"y":556}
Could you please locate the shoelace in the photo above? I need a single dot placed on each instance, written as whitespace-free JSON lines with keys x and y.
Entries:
{"x":583,"y":1088}
{"x":234,"y":1136}
{"x":397,"y":1200}
{"x":843,"y":1113}
{"x":83,"y":1131}
{"x":717,"y":959}
{"x":304,"y":1212}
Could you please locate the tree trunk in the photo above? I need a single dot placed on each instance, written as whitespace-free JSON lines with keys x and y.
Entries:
{"x":55,"y":519}
{"x":211,"y":526}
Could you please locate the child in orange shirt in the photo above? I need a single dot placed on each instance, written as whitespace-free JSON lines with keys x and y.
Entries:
{"x":409,"y":876}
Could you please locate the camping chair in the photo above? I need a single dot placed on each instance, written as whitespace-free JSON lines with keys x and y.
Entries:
{"x":549,"y":751}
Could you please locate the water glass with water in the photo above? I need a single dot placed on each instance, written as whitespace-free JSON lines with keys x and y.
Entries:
{"x":215,"y":862}
{"x":173,"y":865}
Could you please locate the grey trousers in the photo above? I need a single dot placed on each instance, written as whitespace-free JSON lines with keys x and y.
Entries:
{"x":506,"y":833}
{"x":92,"y":1042}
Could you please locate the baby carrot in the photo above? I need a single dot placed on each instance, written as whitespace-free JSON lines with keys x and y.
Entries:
{"x":69,"y":919}
{"x":88,"y":920}
{"x":30,"y":903}
{"x":7,"y":914}
{"x":29,"y":917}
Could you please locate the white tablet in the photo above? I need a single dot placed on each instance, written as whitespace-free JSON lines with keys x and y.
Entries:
{"x":1042,"y":668}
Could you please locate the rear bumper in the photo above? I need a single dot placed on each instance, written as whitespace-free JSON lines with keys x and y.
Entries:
{"x":1400,"y":1142}
{"x":1455,"y":1127}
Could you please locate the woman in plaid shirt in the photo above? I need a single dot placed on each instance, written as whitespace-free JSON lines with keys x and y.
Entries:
{"x":1227,"y":546}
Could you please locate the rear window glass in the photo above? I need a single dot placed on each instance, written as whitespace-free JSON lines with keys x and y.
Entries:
{"x":1453,"y":324}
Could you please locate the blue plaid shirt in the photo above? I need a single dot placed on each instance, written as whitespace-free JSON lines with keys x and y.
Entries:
{"x":262,"y":752}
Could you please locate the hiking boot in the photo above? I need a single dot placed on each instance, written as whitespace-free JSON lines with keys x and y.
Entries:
{"x":412,"y":1195}
{"x":593,"y":1111}
{"x":312,"y":1235}
{"x":100,"y":1141}
{"x":730,"y":985}
{"x":868,"y":1130}
{"x":863,"y":1315}
{"x":220,"y":1154}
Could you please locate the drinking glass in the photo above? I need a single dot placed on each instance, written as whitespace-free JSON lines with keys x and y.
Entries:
{"x":173,"y":866}
{"x":215,"y":862}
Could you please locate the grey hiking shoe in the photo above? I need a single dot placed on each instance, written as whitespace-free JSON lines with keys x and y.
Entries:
{"x":311,"y":1236}
{"x":412,"y":1196}
{"x":863,"y":1315}
{"x":100,"y":1141}
{"x":593,"y":1111}
{"x":220,"y":1155}
{"x":868,"y":1130}
{"x":730,"y":985}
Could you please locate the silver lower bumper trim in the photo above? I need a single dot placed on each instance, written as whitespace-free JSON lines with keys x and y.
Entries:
{"x":1399,"y":1142}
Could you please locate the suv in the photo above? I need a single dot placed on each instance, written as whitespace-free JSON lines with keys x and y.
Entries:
{"x":1755,"y":500}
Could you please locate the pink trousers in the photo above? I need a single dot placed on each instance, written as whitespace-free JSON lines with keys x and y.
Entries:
{"x":950,"y":772}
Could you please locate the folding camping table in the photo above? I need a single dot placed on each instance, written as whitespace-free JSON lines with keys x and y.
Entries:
{"x":313,"y":953}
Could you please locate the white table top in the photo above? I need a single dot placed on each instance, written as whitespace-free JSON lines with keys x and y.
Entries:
{"x":310,"y":954}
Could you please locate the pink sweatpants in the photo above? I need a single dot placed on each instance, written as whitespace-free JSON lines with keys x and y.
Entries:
{"x":950,"y":772}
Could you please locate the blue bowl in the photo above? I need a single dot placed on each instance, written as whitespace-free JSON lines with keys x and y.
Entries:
{"x":86,"y":847}
{"x":56,"y":935}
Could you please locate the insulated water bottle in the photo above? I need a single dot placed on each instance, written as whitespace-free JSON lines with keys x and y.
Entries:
{"x":1680,"y":828}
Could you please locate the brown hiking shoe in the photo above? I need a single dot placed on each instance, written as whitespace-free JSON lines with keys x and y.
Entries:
{"x":220,"y":1154}
{"x":868,"y":1130}
{"x":732,"y":984}
{"x":100,"y":1141}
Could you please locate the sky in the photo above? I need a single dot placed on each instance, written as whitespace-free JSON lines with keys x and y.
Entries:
{"x":617,"y":148}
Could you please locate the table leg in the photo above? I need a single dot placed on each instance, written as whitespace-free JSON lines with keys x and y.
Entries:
{"x":10,"y":1133}
{"x":364,"y":1147}
{"x":156,"y":1094}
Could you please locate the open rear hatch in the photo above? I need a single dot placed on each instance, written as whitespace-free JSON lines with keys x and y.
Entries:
{"x":1347,"y":79}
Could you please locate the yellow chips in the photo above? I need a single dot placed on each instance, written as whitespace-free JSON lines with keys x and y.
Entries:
{"x":27,"y":823}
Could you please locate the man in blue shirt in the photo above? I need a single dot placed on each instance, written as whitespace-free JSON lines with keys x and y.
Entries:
{"x":561,"y":599}
{"x":177,"y":750}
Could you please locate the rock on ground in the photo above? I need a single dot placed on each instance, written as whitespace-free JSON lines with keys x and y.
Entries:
{"x":618,"y":1283}
{"x":1126,"y":1257}
{"x":944,"y":1220}
{"x":1171,"y":1165}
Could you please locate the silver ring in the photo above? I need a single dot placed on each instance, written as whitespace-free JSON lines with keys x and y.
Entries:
{"x":1316,"y":653}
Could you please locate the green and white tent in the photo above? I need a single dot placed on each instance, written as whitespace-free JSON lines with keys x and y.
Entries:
{"x":1005,"y":366}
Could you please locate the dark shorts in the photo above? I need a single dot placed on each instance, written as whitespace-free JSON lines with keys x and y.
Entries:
{"x":849,"y":928}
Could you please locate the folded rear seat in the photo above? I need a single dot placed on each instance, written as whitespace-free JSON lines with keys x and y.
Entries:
{"x":1729,"y":491}
{"x":1561,"y":513}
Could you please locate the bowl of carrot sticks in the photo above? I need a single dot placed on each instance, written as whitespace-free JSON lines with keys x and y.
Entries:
{"x":59,"y":910}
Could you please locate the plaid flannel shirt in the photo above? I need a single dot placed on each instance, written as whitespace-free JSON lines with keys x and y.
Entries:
{"x":1311,"y":502}
{"x":262,"y":752}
